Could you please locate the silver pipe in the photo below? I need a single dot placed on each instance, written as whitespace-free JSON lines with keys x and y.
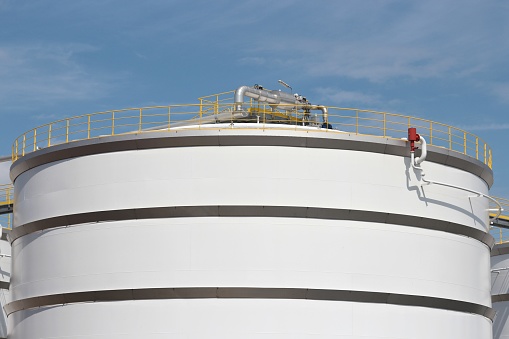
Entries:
{"x":6,"y":158}
{"x":273,"y":98}
{"x":257,"y":94}
{"x":325,"y":113}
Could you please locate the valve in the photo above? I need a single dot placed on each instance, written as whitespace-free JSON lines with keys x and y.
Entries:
{"x":413,"y":137}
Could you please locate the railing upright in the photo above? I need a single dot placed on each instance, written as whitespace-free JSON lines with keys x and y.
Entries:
{"x":66,"y":130}
{"x":35,"y":139}
{"x":49,"y":134}
{"x":356,"y":121}
{"x":485,"y":158}
{"x":141,"y":120}
{"x":450,"y":138}
{"x":112,"y":122}
{"x":88,"y":126}
{"x":477,"y":148}
{"x":464,"y":142}
{"x":385,"y":118}
{"x":169,"y":116}
{"x":431,"y":132}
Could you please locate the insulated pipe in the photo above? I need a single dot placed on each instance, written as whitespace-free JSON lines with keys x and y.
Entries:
{"x":257,"y":94}
{"x":273,"y":98}
{"x":424,"y":151}
{"x":325,"y":113}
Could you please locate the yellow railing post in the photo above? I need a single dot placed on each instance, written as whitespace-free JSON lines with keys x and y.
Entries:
{"x":35,"y":139}
{"x":88,"y":126}
{"x":112,"y":122}
{"x":66,"y":130}
{"x":49,"y":134}
{"x":485,"y":158}
{"x":477,"y":148}
{"x":14,"y":158}
{"x":216,"y":108}
{"x":356,"y":121}
{"x":385,"y":119}
{"x":24,"y":143}
{"x":450,"y":139}
{"x":431,"y":132}
{"x":169,"y":116}
{"x":141,"y":120}
{"x":464,"y":142}
{"x":201,"y":108}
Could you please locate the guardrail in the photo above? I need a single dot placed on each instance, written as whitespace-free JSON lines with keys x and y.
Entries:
{"x":501,"y":234}
{"x":6,"y":200}
{"x":148,"y":119}
{"x":6,"y":194}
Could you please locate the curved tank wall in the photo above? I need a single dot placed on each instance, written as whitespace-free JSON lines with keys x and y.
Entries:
{"x":500,"y":290}
{"x":5,"y":277}
{"x":248,"y":233}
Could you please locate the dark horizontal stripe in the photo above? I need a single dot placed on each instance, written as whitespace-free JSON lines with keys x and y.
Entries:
{"x":500,"y":249}
{"x":5,"y":209}
{"x":253,"y":211}
{"x":499,"y":297}
{"x":250,"y":293}
{"x":152,"y":140}
{"x":4,"y":285}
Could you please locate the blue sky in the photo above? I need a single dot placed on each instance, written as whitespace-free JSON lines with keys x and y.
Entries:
{"x":438,"y":59}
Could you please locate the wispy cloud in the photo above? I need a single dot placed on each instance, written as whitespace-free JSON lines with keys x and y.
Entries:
{"x":486,"y":127}
{"x":501,"y":90}
{"x":385,"y":40}
{"x":42,"y":73}
{"x":342,"y":97}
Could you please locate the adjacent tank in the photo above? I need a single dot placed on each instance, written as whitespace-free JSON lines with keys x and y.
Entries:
{"x":500,"y":289}
{"x":249,"y":229}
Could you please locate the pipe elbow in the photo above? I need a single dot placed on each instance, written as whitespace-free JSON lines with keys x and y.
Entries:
{"x":325,"y":114}
{"x":424,"y":152}
{"x":239,"y":94}
{"x":239,"y":97}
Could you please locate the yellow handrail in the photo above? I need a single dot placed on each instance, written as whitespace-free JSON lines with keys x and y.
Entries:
{"x":6,"y":194}
{"x":148,"y":119}
{"x":6,"y":199}
{"x":500,"y":234}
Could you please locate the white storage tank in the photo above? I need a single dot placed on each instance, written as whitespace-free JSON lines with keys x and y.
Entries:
{"x":247,"y":231}
{"x":5,"y":274}
{"x":500,"y":289}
